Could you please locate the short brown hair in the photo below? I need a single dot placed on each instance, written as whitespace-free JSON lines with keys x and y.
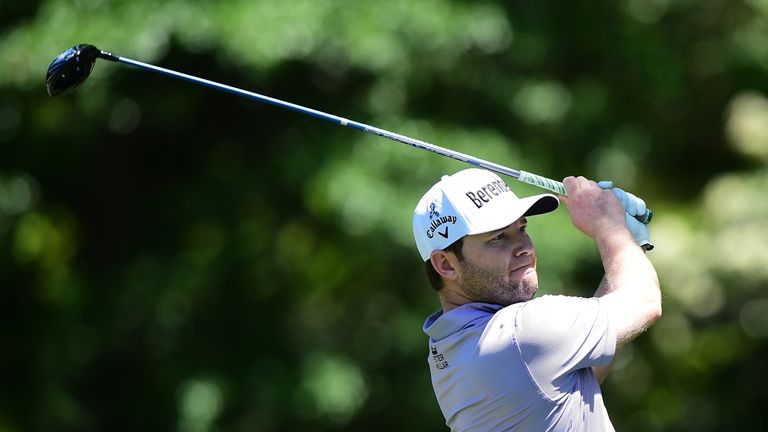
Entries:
{"x":434,"y":278}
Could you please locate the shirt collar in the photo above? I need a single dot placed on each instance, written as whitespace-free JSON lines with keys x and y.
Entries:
{"x":443,"y":324}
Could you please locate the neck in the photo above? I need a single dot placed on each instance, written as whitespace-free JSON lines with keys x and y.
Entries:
{"x":451,"y":298}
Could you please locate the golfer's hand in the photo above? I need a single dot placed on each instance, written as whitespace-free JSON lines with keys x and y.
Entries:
{"x":634,"y":206}
{"x":595,"y":211}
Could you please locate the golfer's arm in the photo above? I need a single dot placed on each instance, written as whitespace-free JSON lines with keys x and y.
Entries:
{"x":604,"y":288}
{"x":630,"y":291}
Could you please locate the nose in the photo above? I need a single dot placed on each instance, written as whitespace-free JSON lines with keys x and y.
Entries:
{"x":524,"y":246}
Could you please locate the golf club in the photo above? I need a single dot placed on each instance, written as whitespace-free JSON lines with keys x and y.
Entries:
{"x":72,"y":67}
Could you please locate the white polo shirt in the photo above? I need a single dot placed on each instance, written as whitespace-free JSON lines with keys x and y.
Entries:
{"x":525,"y":367}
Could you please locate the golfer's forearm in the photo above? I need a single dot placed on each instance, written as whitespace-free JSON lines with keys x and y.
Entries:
{"x":630,"y":287}
{"x":604,"y":288}
{"x":628,"y":270}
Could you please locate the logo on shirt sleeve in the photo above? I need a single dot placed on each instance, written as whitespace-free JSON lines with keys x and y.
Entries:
{"x":439,"y":359}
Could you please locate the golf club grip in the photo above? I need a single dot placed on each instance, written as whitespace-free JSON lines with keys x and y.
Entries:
{"x":542,"y":182}
{"x":557,"y":187}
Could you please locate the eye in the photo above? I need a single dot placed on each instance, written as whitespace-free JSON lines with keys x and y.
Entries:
{"x":502,"y":235}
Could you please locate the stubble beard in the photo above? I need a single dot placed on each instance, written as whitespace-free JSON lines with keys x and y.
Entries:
{"x":488,"y":286}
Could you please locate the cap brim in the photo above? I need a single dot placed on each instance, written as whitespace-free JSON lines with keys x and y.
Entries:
{"x":543,"y":203}
{"x":520,"y":207}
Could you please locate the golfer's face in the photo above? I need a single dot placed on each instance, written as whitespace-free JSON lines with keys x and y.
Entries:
{"x":500,"y":265}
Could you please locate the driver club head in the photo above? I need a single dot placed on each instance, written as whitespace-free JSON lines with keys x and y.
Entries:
{"x":71,"y":68}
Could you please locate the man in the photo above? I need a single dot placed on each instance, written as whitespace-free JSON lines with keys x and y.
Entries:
{"x":500,"y":359}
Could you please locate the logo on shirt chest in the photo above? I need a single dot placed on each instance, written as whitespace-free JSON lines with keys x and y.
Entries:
{"x":439,"y":359}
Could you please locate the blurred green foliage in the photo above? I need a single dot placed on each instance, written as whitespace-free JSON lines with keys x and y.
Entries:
{"x":173,"y":258}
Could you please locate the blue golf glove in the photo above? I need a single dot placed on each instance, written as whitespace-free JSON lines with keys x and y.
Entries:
{"x":634,"y":206}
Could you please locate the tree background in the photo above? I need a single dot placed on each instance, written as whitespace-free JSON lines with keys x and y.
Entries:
{"x":174,"y":258}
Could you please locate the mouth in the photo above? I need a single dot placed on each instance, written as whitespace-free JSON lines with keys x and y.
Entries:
{"x":524,"y":269}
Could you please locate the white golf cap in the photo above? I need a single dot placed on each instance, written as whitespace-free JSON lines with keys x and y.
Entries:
{"x":472,"y":201}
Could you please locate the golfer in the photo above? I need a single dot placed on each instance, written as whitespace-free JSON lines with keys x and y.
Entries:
{"x":500,"y":359}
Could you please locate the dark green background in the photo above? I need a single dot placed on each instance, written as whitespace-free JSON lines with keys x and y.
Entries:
{"x":176,"y":258}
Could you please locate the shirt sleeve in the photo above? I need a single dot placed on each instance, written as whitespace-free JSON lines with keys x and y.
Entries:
{"x":558,"y":335}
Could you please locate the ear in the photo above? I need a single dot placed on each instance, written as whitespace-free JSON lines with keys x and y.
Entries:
{"x":445,"y":264}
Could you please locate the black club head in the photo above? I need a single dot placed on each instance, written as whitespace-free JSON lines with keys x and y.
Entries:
{"x":71,"y":68}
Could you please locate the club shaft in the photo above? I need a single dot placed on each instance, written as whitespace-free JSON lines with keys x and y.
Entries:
{"x":523,"y":176}
{"x":339,"y":120}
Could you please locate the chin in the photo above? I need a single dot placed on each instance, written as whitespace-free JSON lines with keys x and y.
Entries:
{"x":529,"y":285}
{"x":531,"y":278}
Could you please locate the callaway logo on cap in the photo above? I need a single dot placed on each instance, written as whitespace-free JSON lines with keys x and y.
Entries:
{"x":472,"y":201}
